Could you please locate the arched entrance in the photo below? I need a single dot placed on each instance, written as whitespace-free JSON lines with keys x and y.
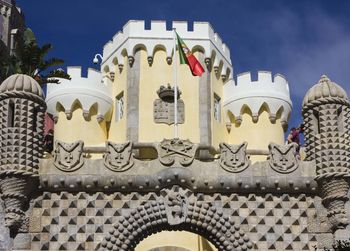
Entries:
{"x":181,"y":210}
{"x":175,"y":241}
{"x":168,"y":249}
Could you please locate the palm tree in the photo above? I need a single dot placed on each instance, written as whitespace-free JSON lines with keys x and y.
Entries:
{"x":29,"y":59}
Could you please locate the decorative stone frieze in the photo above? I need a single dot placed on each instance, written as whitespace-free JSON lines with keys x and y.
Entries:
{"x":118,"y":157}
{"x":176,"y":151}
{"x":234,"y":158}
{"x":283,"y":159}
{"x":68,"y":157}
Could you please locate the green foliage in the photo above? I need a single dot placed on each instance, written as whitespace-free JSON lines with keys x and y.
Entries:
{"x":29,"y":59}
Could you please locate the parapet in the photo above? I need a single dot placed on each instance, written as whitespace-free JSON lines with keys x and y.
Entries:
{"x":134,"y":36}
{"x":273,"y":93}
{"x":88,"y":92}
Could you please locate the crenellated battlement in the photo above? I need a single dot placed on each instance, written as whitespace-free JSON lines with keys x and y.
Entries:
{"x":268,"y":90}
{"x":88,"y":91}
{"x":135,"y":35}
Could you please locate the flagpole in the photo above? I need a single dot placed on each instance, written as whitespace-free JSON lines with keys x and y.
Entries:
{"x":175,"y":87}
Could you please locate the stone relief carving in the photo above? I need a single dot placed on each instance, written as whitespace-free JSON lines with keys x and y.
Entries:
{"x":163,"y":108}
{"x":176,"y":150}
{"x":68,"y":157}
{"x":176,"y":207}
{"x":164,"y":112}
{"x":119,"y":157}
{"x":283,"y":158}
{"x":233,"y":157}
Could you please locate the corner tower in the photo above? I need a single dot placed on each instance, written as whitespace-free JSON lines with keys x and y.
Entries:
{"x":140,"y":60}
{"x":22,"y":109}
{"x":326,"y":114}
{"x":83,"y":105}
{"x":257,"y":111}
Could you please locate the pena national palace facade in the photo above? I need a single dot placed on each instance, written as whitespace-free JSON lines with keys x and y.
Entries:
{"x":118,"y":179}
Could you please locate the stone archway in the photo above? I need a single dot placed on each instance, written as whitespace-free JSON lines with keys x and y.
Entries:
{"x":178,"y":210}
{"x":168,"y":249}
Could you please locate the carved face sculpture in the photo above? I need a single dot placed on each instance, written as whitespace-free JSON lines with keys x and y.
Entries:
{"x":283,"y":159}
{"x":233,"y":157}
{"x":119,"y":156}
{"x":68,"y":157}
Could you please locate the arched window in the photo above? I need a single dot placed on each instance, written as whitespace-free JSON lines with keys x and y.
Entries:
{"x":11,"y":114}
{"x":340,"y":118}
{"x":35,"y":119}
{"x":315,"y":122}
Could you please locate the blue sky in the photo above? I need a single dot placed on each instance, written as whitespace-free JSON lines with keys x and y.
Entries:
{"x":301,"y":39}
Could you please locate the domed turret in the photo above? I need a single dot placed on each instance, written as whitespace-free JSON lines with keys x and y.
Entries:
{"x":22,"y":109}
{"x":326,"y":112}
{"x":21,"y":83}
{"x":325,"y":88}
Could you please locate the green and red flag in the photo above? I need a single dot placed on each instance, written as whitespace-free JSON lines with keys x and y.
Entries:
{"x":186,"y":57}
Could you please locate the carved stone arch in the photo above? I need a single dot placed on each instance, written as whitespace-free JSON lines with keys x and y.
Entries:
{"x":280,"y":112}
{"x":266,"y":108}
{"x":213,"y":55}
{"x":76,"y":104}
{"x":106,"y":69}
{"x":176,"y":209}
{"x":198,"y":48}
{"x":60,"y":107}
{"x":115,"y":61}
{"x":246,"y":109}
{"x":138,"y":47}
{"x":158,"y":47}
{"x":124,"y":53}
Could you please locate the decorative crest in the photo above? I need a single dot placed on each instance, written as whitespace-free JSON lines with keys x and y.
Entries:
{"x":233,"y":157}
{"x":68,"y":157}
{"x":177,"y":205}
{"x":283,"y":159}
{"x":119,"y":157}
{"x":172,"y":150}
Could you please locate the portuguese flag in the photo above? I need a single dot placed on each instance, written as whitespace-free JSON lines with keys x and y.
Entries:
{"x":186,"y":57}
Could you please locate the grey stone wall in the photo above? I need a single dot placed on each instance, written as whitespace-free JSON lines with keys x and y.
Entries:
{"x":80,"y":221}
{"x":5,"y":240}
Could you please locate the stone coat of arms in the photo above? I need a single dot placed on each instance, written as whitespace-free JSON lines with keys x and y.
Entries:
{"x":233,"y":157}
{"x":283,"y":158}
{"x":68,"y":157}
{"x":176,"y":150}
{"x":118,"y":157}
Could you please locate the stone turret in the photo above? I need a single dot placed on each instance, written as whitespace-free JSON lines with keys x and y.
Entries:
{"x":257,"y":111}
{"x":22,"y":109}
{"x":326,"y":114}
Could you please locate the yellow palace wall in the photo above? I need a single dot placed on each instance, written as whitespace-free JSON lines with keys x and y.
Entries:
{"x":151,"y":78}
{"x":219,"y":131}
{"x":117,"y":130}
{"x":77,"y":128}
